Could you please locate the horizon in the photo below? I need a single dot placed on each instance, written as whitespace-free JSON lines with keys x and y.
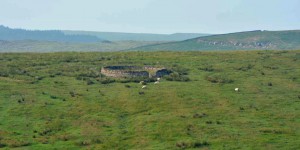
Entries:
{"x":152,"y":16}
{"x":143,"y":32}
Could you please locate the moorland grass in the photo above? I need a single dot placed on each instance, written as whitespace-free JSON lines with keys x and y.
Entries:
{"x":59,"y":101}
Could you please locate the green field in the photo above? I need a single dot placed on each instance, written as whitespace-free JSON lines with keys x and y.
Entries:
{"x":60,"y":101}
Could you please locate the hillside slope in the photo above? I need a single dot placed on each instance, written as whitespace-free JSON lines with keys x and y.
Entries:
{"x":8,"y":34}
{"x":253,"y":40}
{"x":52,"y":46}
{"x":118,"y":36}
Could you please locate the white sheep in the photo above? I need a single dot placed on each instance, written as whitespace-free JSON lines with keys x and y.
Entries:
{"x":236,"y":89}
{"x":156,"y":82}
{"x":141,"y":82}
{"x":143,"y":87}
{"x":158,"y":79}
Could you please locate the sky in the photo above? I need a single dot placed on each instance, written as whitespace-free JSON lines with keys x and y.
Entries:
{"x":152,"y":16}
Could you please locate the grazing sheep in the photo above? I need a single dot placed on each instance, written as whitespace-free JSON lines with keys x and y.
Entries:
{"x":236,"y":89}
{"x":143,"y":87}
{"x":156,"y":82}
{"x":141,"y":82}
{"x":158,"y":79}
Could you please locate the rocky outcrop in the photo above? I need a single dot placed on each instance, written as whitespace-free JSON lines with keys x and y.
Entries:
{"x":250,"y":44}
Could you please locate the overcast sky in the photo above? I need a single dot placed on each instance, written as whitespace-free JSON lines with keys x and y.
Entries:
{"x":152,"y":16}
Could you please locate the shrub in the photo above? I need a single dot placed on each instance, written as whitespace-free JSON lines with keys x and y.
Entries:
{"x":97,"y":140}
{"x":72,"y":93}
{"x":271,"y":131}
{"x":245,"y":68}
{"x":180,"y":70}
{"x":209,"y":122}
{"x":2,"y":145}
{"x":83,"y":143}
{"x":53,"y":97}
{"x":218,"y":78}
{"x":124,"y":81}
{"x":89,"y":82}
{"x":39,"y":78}
{"x":200,"y":144}
{"x":199,"y":115}
{"x":271,"y":67}
{"x":64,"y":137}
{"x":208,"y":68}
{"x":184,"y":145}
{"x":149,"y":80}
{"x":3,"y":74}
{"x":107,"y":81}
{"x":177,"y":77}
{"x":45,"y":132}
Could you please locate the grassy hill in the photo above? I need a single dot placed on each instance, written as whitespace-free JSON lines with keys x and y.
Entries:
{"x":47,"y":46}
{"x":20,"y":40}
{"x":60,"y":101}
{"x":8,"y":34}
{"x":118,"y":36}
{"x":254,"y":40}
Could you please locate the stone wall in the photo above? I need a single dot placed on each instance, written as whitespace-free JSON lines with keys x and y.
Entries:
{"x":162,"y":72}
{"x":133,"y":71}
{"x":151,"y":68}
{"x":123,"y":71}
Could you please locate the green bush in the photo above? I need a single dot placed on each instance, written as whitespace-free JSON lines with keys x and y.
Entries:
{"x":2,"y":145}
{"x":180,"y":70}
{"x":3,"y":74}
{"x":219,"y":78}
{"x":176,"y":77}
{"x":208,"y":68}
{"x":72,"y":93}
{"x":246,"y":68}
{"x":107,"y":81}
{"x":185,"y":145}
{"x":89,"y":82}
{"x":53,"y":97}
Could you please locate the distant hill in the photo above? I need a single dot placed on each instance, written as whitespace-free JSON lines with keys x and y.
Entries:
{"x":117,"y":36}
{"x":8,"y":34}
{"x":20,"y":40}
{"x":253,"y":40}
{"x":52,"y":46}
